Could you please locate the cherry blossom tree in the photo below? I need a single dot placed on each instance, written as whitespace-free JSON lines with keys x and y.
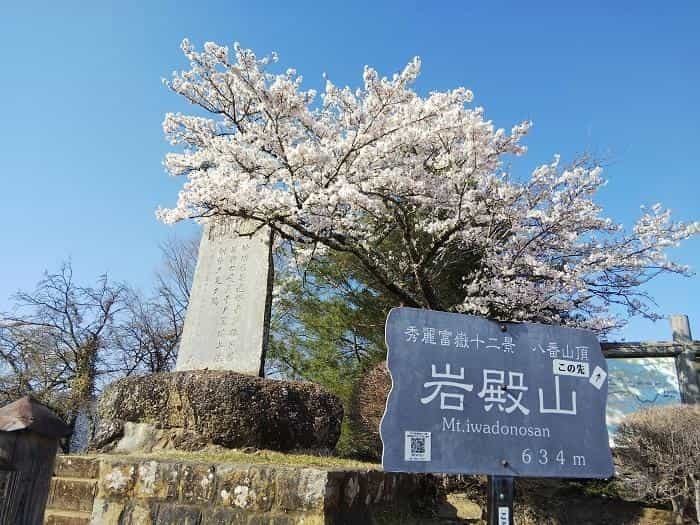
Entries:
{"x":414,"y":188}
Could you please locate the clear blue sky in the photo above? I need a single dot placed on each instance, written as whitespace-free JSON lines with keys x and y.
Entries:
{"x":81,"y":103}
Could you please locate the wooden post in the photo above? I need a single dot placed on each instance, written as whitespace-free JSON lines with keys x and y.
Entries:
{"x":685,"y":367}
{"x":29,"y":435}
{"x":501,"y":492}
{"x":8,"y":487}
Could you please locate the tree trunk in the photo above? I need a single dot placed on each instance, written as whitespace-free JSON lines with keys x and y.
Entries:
{"x":268,"y":303}
{"x":82,"y":391}
{"x":83,"y":384}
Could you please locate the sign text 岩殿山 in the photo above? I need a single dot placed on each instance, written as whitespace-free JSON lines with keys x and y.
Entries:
{"x":476,"y":396}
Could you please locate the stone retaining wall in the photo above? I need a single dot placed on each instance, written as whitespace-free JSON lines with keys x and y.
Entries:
{"x":145,"y":492}
{"x":117,"y":490}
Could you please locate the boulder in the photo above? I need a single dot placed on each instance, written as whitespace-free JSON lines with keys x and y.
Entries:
{"x":190,"y":410}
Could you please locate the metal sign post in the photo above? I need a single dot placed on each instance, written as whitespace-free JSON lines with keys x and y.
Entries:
{"x":499,"y":505}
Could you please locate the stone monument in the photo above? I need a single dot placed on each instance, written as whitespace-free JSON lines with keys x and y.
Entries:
{"x":228,"y":316}
{"x":215,"y":396}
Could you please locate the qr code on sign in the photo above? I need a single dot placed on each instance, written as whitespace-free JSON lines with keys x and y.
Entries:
{"x":417,"y":446}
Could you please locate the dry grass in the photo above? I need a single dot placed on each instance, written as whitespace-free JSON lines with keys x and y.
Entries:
{"x":254,"y":457}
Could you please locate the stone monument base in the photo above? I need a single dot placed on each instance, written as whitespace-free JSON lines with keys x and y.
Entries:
{"x":191,"y":410}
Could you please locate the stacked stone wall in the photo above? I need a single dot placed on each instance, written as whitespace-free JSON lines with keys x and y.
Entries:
{"x":146,"y":491}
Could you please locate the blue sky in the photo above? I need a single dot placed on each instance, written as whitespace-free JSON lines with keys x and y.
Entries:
{"x":81,"y":103}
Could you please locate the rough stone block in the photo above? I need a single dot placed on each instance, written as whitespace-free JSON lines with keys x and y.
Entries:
{"x":300,"y":489}
{"x":76,"y":467}
{"x":376,"y":482}
{"x":57,"y":517}
{"x":72,"y":494}
{"x":117,"y":479}
{"x":178,"y":514}
{"x":197,"y":484}
{"x":159,"y":481}
{"x":249,"y":488}
{"x":138,"y":513}
{"x":189,"y":410}
{"x":106,"y":512}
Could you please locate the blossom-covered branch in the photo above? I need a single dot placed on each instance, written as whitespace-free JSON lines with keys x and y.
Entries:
{"x":413,"y":187}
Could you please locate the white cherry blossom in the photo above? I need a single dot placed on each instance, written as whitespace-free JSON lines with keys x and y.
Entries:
{"x":412,"y":187}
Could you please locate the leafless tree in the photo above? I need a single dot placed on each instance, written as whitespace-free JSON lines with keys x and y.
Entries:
{"x":28,"y":365}
{"x":148,"y":336}
{"x":57,"y":340}
{"x":660,"y":449}
{"x":174,"y":278}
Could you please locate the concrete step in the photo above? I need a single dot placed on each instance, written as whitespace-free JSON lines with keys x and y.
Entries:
{"x":76,"y":467}
{"x":65,"y":517}
{"x":72,"y":494}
